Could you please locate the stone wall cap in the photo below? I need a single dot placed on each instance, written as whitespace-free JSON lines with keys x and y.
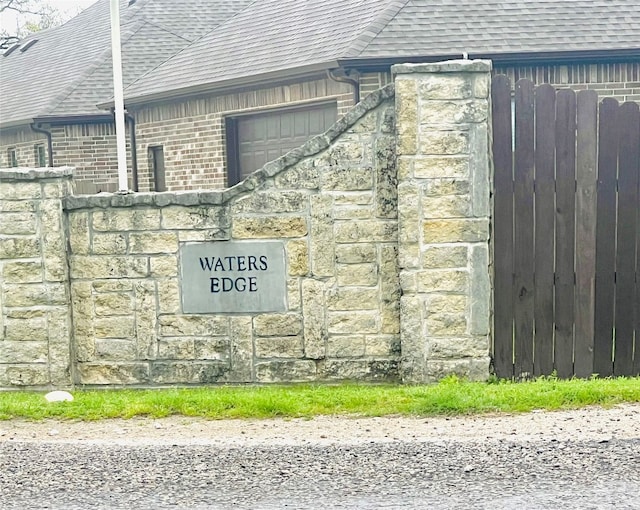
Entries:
{"x":154,"y":199}
{"x":34,"y":174}
{"x":449,"y":66}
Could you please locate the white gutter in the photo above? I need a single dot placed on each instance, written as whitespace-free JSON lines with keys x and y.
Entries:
{"x":123,"y":184}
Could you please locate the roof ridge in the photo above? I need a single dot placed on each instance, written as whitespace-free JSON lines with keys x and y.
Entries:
{"x":95,"y":65}
{"x":379,"y":23}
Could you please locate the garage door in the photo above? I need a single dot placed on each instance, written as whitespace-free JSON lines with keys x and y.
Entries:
{"x":265,"y":137}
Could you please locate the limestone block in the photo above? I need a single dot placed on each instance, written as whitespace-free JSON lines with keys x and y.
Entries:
{"x":433,"y":167}
{"x":26,"y":329}
{"x":366,"y":124}
{"x":19,"y":247}
{"x":354,"y":198}
{"x":481,"y":171}
{"x":454,"y":112}
{"x":106,"y":305}
{"x":126,"y":220}
{"x":446,"y":280}
{"x":473,"y":369}
{"x":352,"y":299}
{"x":386,"y":178}
{"x":20,"y":190}
{"x":108,"y":267}
{"x":280,"y":347}
{"x":241,"y":350}
{"x":482,"y":85}
{"x":24,"y":351}
{"x":322,"y":243}
{"x":298,"y":257}
{"x":79,"y":239}
{"x":27,"y":375}
{"x":34,"y":294}
{"x":271,"y":201}
{"x":446,"y":303}
{"x":446,"y":86}
{"x":338,"y":178}
{"x":458,"y":348}
{"x":51,"y":216}
{"x":446,"y":206}
{"x":404,"y":168}
{"x":176,"y":348}
{"x":313,"y":313}
{"x":275,"y":227}
{"x":100,"y":286}
{"x":188,"y":372}
{"x":146,"y":319}
{"x":54,"y":253}
{"x":446,"y":324}
{"x":211,"y":348}
{"x":114,"y":327}
{"x":209,"y":217}
{"x":109,"y":244}
{"x":214,"y":234}
{"x":22,"y":223}
{"x":357,"y":275}
{"x":285,"y":371}
{"x":356,"y":253}
{"x":352,"y":213}
{"x":481,"y":291}
{"x":7,"y":205}
{"x":436,"y":143}
{"x":347,"y":151}
{"x":441,"y":257}
{"x":409,"y":255}
{"x":193,"y":325}
{"x":412,"y":335}
{"x":408,"y":213}
{"x":408,"y":282}
{"x":360,"y":370}
{"x":164,"y":266}
{"x":406,"y":115}
{"x":115,"y":350}
{"x":380,"y":345}
{"x":22,"y":272}
{"x":388,"y":122}
{"x":365,"y":231}
{"x":153,"y":242}
{"x":113,"y":373}
{"x":353,"y":323}
{"x":294,"y":294}
{"x":456,"y":230}
{"x":56,"y":189}
{"x":276,"y":324}
{"x":351,"y":346}
{"x":60,"y":338}
{"x":445,"y":186}
{"x":302,"y":176}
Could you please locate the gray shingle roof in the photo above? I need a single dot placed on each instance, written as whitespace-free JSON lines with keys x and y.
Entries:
{"x":68,"y":71}
{"x":272,"y":36}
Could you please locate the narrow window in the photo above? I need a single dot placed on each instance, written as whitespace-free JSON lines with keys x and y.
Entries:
{"x":39,"y":155}
{"x":12,"y":158}
{"x":156,"y":162}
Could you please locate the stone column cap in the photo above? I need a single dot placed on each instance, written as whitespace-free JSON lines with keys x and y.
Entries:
{"x":33,"y":174}
{"x":448,"y":66}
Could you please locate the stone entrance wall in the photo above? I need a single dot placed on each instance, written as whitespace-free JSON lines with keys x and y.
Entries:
{"x":386,"y":257}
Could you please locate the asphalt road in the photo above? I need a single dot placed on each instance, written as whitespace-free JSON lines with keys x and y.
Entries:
{"x":438,"y":474}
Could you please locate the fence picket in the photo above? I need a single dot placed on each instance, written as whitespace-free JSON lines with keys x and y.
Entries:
{"x":523,"y":238}
{"x":503,"y":227}
{"x":545,"y":97}
{"x":628,"y":156}
{"x":586,"y":176}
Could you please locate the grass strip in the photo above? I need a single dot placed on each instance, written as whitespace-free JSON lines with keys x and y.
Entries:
{"x":449,"y":397}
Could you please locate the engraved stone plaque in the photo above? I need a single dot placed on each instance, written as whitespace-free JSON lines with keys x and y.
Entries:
{"x":233,"y":277}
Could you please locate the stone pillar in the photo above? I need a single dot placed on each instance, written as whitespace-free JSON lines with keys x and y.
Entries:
{"x":34,"y":279}
{"x":443,"y":131}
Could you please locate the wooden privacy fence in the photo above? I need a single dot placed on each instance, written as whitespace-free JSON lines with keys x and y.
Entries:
{"x":565,"y":232}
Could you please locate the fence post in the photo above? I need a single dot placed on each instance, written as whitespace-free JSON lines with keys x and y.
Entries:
{"x":442,"y":132}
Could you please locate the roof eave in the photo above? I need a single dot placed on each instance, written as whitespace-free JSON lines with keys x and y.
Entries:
{"x":514,"y":58}
{"x":279,"y":76}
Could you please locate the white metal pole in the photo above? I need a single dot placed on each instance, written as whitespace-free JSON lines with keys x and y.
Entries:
{"x":123,"y":183}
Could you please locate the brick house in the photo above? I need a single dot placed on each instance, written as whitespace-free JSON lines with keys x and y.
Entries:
{"x":239,"y":91}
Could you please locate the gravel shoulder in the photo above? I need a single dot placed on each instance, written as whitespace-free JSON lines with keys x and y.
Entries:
{"x":588,"y":424}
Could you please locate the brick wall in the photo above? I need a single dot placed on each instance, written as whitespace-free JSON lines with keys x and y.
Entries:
{"x":24,"y":142}
{"x":192,"y":134}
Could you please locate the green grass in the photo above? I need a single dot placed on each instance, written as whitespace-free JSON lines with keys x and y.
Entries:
{"x":449,"y":397}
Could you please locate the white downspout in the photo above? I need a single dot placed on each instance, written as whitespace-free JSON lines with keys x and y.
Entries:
{"x":118,"y":94}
